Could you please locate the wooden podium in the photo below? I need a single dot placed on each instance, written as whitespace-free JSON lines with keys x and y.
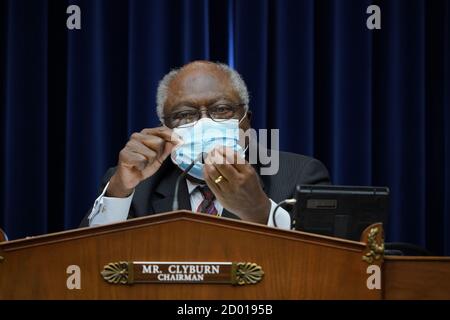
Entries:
{"x":292,"y":265}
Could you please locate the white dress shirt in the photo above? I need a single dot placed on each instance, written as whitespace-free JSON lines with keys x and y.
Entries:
{"x":109,"y":210}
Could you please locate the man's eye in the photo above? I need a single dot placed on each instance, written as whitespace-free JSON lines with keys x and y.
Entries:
{"x":185,"y":115}
{"x":222,"y":109}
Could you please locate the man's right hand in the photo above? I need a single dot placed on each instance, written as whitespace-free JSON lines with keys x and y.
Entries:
{"x":141,"y":157}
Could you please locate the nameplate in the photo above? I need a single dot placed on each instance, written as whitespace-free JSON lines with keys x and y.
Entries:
{"x":234,"y":273}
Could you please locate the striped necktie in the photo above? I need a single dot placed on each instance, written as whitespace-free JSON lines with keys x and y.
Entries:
{"x":207,"y":205}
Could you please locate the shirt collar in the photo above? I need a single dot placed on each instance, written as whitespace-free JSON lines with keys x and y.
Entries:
{"x":192,"y":186}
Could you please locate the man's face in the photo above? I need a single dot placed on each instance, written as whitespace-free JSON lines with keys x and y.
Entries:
{"x":200,"y":85}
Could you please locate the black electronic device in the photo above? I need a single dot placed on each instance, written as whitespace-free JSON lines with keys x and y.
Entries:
{"x":339,"y":211}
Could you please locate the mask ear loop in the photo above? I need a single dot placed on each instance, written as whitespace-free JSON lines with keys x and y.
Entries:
{"x":242,"y":119}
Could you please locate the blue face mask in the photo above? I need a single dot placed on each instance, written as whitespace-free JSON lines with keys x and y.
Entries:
{"x":204,"y":136}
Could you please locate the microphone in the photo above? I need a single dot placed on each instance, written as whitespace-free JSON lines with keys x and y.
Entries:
{"x":200,"y":158}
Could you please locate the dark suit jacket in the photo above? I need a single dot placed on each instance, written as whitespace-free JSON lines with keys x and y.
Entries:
{"x":155,"y":194}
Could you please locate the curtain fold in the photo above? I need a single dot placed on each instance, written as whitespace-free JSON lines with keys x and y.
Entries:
{"x":24,"y":117}
{"x":372,"y":105}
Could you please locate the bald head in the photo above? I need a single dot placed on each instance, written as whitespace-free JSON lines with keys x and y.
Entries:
{"x":200,"y":83}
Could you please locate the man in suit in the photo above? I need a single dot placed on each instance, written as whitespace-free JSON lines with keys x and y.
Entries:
{"x":144,"y":180}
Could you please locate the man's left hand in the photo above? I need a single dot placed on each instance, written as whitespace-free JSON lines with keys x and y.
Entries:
{"x":239,"y":190}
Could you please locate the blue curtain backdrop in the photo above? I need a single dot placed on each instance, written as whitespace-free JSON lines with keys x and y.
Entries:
{"x":372,"y":105}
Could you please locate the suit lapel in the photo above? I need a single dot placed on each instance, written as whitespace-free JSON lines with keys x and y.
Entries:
{"x":164,"y":192}
{"x":155,"y":194}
